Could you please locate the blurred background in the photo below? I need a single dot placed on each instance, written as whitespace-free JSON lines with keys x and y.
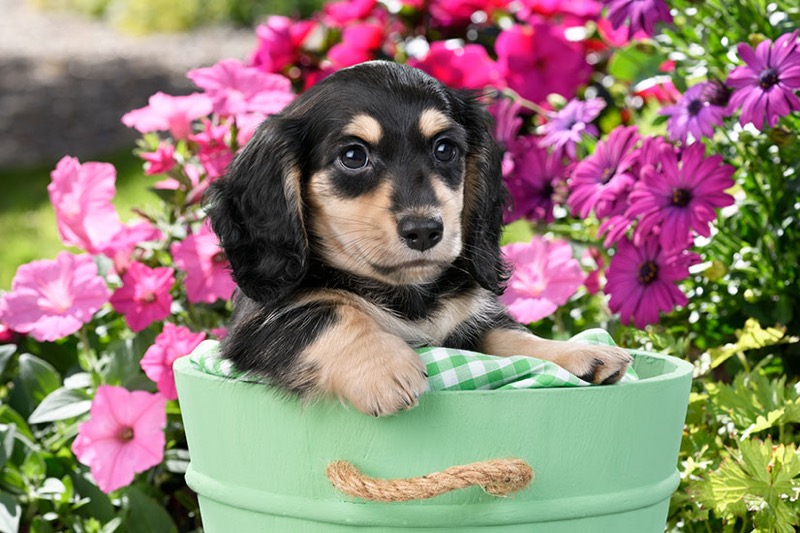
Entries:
{"x":69,"y":70}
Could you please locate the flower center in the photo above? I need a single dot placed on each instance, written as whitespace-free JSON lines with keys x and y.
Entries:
{"x":219,"y":257}
{"x":607,"y":174}
{"x":125,"y":434}
{"x":647,"y":272}
{"x":148,"y":297}
{"x":681,"y":197}
{"x":694,"y":107}
{"x":768,"y":78}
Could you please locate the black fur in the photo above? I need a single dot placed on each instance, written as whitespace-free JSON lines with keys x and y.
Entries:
{"x":263,"y":229}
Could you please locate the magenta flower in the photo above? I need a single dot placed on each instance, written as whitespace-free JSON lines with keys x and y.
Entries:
{"x":237,"y":89}
{"x":459,"y":13}
{"x":545,"y":276}
{"x":169,"y":113}
{"x":173,"y":342}
{"x":603,"y":179}
{"x":359,"y":43}
{"x":573,"y":13}
{"x":279,"y":40}
{"x":341,"y":14}
{"x":462,"y":67}
{"x":641,"y":281}
{"x":565,"y":127}
{"x":123,"y":436}
{"x":208,"y":276}
{"x":507,"y":120}
{"x":681,"y":198}
{"x":50,"y":299}
{"x":144,"y":296}
{"x":764,"y":87}
{"x":538,"y":60}
{"x":692,"y":114}
{"x":81,"y":195}
{"x":161,"y":161}
{"x":640,"y":14}
{"x":534,"y":180}
{"x":121,"y":247}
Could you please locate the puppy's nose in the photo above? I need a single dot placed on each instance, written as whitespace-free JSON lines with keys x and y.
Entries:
{"x":420,"y":233}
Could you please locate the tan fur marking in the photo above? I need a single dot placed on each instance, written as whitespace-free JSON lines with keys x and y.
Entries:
{"x":433,"y":121}
{"x":358,"y":362}
{"x":365,"y":128}
{"x":594,"y":362}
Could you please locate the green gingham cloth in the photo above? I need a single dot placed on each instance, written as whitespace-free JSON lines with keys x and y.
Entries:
{"x":450,"y":369}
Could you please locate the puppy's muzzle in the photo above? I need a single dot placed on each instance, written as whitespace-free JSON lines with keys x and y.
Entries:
{"x":420,"y":233}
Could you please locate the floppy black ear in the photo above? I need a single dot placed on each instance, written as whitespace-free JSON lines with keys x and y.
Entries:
{"x":256,"y":211}
{"x":484,"y":194}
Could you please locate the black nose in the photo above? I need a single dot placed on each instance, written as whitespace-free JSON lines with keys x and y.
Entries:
{"x":420,"y":233}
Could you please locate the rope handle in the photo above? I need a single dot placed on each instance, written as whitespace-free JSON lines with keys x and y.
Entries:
{"x":499,"y":477}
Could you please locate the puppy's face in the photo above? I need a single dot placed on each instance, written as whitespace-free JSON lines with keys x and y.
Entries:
{"x":378,"y":170}
{"x":385,"y":199}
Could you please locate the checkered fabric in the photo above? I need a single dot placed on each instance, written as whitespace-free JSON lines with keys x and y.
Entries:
{"x":450,"y":369}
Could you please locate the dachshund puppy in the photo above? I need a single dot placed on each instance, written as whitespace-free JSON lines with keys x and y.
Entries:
{"x":363,"y":221}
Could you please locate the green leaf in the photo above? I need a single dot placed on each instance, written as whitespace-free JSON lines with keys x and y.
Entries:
{"x":61,"y":404}
{"x":10,"y":513}
{"x":36,"y":379}
{"x":145,"y":514}
{"x":7,"y":434}
{"x":635,"y":63}
{"x":6,"y":351}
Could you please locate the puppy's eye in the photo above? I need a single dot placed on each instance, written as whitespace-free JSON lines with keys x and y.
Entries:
{"x":354,"y":157}
{"x":444,"y":151}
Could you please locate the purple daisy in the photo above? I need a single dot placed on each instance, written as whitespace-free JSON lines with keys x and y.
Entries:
{"x":641,"y":14}
{"x":599,"y":181}
{"x":681,"y":197}
{"x":534,"y":180}
{"x":641,"y":281}
{"x":693,"y":114}
{"x":564,"y":129}
{"x":764,"y":87}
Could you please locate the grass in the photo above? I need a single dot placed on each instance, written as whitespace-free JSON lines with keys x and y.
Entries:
{"x":28,"y":222}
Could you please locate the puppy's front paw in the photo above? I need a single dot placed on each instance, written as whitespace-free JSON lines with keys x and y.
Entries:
{"x":388,"y":378}
{"x":594,"y":363}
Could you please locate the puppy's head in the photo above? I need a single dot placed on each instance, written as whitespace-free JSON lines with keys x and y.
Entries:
{"x":378,"y":170}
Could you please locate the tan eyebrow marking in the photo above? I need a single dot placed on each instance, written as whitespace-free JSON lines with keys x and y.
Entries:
{"x":432,"y":121}
{"x":365,"y":128}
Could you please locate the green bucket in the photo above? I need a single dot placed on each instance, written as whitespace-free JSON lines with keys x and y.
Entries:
{"x":604,"y":458}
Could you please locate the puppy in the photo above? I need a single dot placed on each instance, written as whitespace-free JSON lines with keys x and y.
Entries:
{"x":364,"y":221}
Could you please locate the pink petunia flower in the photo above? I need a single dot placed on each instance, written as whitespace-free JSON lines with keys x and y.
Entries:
{"x":214,"y":152}
{"x":564,"y":129}
{"x":208,"y":276}
{"x":681,"y":197}
{"x":538,"y":60}
{"x":173,"y":342}
{"x":121,"y":247}
{"x":572,"y":13}
{"x":279,"y":40}
{"x":641,"y":15}
{"x":764,"y":87}
{"x":123,"y":436}
{"x":144,"y":296}
{"x":618,"y":37}
{"x":161,"y":161}
{"x":169,"y":113}
{"x":601,"y":180}
{"x":236,"y":88}
{"x":545,"y":276}
{"x":692,"y":114}
{"x":534,"y":180}
{"x":641,"y":281}
{"x":81,"y":195}
{"x":462,"y":67}
{"x":50,"y":299}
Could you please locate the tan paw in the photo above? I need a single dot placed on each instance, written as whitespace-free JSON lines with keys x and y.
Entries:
{"x":388,"y":378}
{"x":593,"y":363}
